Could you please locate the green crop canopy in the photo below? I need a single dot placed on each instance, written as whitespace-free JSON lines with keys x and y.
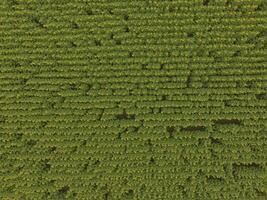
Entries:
{"x":133,"y":99}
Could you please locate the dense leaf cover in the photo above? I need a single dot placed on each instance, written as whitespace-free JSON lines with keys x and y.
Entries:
{"x":141,"y":100}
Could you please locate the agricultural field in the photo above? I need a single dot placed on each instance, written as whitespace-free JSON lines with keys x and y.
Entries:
{"x":133,"y":100}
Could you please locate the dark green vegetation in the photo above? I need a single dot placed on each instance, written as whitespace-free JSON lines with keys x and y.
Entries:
{"x":142,"y":100}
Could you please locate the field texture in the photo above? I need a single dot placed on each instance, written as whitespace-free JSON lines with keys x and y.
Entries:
{"x":133,"y":100}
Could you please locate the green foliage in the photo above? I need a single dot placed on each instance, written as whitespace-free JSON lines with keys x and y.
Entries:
{"x":133,"y":99}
